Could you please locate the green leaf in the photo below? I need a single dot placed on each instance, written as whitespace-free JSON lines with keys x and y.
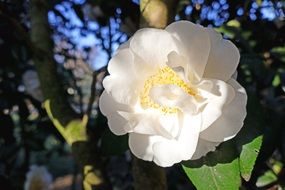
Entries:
{"x":279,"y":52}
{"x":276,"y":81}
{"x":112,"y":144}
{"x":222,"y":168}
{"x":266,"y":179}
{"x":75,"y":130}
{"x":218,"y":170}
{"x":248,"y":157}
{"x":277,"y":167}
{"x":249,"y":139}
{"x":234,"y":23}
{"x":232,"y":29}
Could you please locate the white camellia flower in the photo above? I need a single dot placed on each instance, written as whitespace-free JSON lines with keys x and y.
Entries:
{"x":38,"y":178}
{"x":173,"y":91}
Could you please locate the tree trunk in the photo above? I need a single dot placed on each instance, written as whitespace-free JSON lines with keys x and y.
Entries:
{"x":148,"y":175}
{"x":85,"y":152}
{"x":45,"y":64}
{"x":155,"y":14}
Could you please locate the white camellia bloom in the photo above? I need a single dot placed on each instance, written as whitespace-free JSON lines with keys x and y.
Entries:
{"x":38,"y":178}
{"x":173,"y":91}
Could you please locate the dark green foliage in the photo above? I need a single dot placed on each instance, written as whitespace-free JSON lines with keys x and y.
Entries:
{"x":112,"y":144}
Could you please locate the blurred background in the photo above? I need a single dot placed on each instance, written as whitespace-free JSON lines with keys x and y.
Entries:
{"x":85,"y":34}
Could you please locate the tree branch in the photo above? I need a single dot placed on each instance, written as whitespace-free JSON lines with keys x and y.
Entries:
{"x":65,"y":119}
{"x":92,"y":94}
{"x":147,"y":175}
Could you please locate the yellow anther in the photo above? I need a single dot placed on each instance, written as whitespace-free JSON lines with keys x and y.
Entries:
{"x":164,"y":76}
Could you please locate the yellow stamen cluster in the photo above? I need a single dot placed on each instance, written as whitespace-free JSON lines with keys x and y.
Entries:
{"x":164,"y":76}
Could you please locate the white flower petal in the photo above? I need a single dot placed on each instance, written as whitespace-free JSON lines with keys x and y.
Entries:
{"x":141,"y":123}
{"x":223,"y":59}
{"x":195,"y":43}
{"x":203,"y":148}
{"x":109,"y":107}
{"x":124,"y":45}
{"x":169,"y":125}
{"x":153,"y":46}
{"x":191,"y":122}
{"x":122,"y":91}
{"x":126,"y":63}
{"x":235,"y":75}
{"x":141,"y":145}
{"x":231,"y":121}
{"x":173,"y":96}
{"x":176,"y":60}
{"x":122,"y":62}
{"x":189,"y":135}
{"x":170,"y":151}
{"x":121,"y":67}
{"x":152,"y":123}
{"x":217,"y":94}
{"x":181,"y":67}
{"x":167,"y":153}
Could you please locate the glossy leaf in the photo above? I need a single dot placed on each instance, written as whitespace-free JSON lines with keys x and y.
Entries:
{"x":222,"y":168}
{"x":249,"y":139}
{"x":218,"y":170}
{"x":266,"y":179}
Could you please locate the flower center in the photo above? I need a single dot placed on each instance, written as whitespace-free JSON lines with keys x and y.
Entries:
{"x":164,"y":76}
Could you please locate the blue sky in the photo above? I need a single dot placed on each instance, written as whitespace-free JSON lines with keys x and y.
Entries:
{"x":89,"y":40}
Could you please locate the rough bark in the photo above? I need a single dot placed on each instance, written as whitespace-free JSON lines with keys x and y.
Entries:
{"x":44,"y":62}
{"x":42,"y":46}
{"x":155,"y":14}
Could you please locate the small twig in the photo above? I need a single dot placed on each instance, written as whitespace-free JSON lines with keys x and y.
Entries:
{"x":109,"y":50}
{"x":92,"y":94}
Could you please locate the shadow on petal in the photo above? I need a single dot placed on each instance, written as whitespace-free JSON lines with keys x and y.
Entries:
{"x":230,"y":150}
